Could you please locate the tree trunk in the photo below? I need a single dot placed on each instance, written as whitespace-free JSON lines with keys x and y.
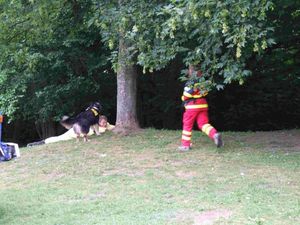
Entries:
{"x":126,"y":92}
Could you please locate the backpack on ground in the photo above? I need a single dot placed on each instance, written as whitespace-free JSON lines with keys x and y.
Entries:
{"x":8,"y":151}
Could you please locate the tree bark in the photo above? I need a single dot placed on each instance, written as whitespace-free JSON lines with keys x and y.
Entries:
{"x":126,"y":92}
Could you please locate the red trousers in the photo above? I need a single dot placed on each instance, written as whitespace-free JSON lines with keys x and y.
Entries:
{"x":189,"y":118}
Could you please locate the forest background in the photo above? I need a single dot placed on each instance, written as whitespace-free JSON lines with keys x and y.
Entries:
{"x":55,"y":60}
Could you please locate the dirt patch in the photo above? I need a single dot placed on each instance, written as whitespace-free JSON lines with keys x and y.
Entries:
{"x":123,"y":172}
{"x":204,"y":218}
{"x":186,"y":174}
{"x":54,"y":175}
{"x":209,"y":217}
{"x":287,"y":140}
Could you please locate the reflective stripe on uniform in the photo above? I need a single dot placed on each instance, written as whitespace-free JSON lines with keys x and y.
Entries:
{"x":186,"y":132}
{"x":197,"y":96}
{"x":193,"y":96}
{"x":207,"y":128}
{"x":198,"y":106}
{"x":200,"y":95}
{"x":183,"y":137}
{"x":186,"y":94}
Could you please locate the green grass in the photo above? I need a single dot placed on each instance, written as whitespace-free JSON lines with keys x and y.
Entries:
{"x":143,"y":179}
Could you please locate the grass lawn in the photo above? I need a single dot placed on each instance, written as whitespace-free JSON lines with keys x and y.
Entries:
{"x":143,"y":179}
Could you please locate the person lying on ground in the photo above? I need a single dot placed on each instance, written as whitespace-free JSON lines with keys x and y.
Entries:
{"x":70,"y":134}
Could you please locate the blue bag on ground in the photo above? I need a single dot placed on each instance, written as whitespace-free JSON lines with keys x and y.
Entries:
{"x":7,"y":152}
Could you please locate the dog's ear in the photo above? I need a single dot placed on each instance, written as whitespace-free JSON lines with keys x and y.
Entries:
{"x":64,"y":118}
{"x":98,"y":105}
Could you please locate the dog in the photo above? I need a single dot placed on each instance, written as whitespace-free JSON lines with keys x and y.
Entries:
{"x":82,"y":123}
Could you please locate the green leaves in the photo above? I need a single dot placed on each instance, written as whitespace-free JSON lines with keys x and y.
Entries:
{"x":220,"y":36}
{"x":49,"y":58}
{"x":45,"y":44}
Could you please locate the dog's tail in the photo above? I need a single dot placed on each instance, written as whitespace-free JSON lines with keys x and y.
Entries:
{"x":67,"y":122}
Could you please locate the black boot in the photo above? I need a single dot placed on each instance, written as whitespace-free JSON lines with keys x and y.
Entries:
{"x":218,"y":140}
{"x":36,"y":143}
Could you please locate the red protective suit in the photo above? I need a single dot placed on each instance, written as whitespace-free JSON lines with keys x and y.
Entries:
{"x":196,"y":109}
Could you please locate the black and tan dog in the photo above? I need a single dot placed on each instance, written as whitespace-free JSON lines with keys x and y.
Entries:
{"x":82,"y":123}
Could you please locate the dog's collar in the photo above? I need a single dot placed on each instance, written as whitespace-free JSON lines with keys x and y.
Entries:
{"x":95,"y":111}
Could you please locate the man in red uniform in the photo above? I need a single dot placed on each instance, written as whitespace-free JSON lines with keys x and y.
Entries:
{"x":196,"y":109}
